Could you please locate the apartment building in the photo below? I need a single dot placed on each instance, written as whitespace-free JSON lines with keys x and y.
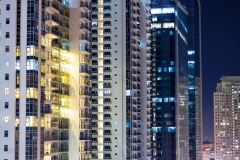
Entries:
{"x":226,"y":118}
{"x":45,"y":70}
{"x":121,"y":114}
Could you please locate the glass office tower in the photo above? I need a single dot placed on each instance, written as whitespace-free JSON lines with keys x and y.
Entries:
{"x":169,"y":81}
{"x":194,"y":70}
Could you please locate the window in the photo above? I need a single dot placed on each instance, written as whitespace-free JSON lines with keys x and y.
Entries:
{"x":5,"y":148}
{"x":107,"y":23}
{"x":107,"y":7}
{"x":7,"y":20}
{"x":6,"y":105}
{"x":7,"y":62}
{"x":6,"y":90}
{"x":7,"y":35}
{"x":6,"y":77}
{"x":5,"y":133}
{"x":7,"y":49}
{"x":7,"y":7}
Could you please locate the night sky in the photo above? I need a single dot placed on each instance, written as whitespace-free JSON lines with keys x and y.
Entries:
{"x":220,"y":50}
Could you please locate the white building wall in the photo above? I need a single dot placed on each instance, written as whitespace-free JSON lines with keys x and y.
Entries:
{"x":7,"y":115}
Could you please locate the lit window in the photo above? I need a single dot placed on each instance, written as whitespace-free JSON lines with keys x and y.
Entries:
{"x":156,"y":25}
{"x":7,"y":62}
{"x":6,"y":90}
{"x":168,"y":25}
{"x":6,"y":119}
{"x":154,"y":19}
{"x":162,"y":10}
{"x":171,"y":69}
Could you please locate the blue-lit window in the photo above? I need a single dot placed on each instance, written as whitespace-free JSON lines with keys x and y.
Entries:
{"x":156,"y":129}
{"x":159,"y":78}
{"x":171,"y":33}
{"x":172,"y":63}
{"x":165,"y":69}
{"x":154,"y":100}
{"x":32,"y":64}
{"x":171,"y":129}
{"x":165,"y":99}
{"x":159,"y":69}
{"x":171,"y":99}
{"x":171,"y":69}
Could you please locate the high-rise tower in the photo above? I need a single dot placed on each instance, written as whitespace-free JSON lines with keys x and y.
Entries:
{"x":46,"y":79}
{"x":121,"y":79}
{"x":169,"y":81}
{"x":226,"y":118}
{"x":194,"y":70}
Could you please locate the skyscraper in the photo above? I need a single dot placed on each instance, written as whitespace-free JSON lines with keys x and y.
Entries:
{"x":194,"y":70}
{"x":226,"y":118}
{"x":169,"y":81}
{"x":45,"y":79}
{"x":121,"y":117}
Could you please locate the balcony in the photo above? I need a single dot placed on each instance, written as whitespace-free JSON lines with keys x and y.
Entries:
{"x":51,"y":138}
{"x":85,"y":71}
{"x":52,"y":33}
{"x":51,"y":72}
{"x":85,"y":93}
{"x":84,"y":59}
{"x":85,"y":82}
{"x":52,"y":20}
{"x":85,"y":28}
{"x":85,"y":6}
{"x":52,"y":7}
{"x":85,"y":104}
{"x":63,"y":126}
{"x":85,"y":39}
{"x":85,"y":126}
{"x":52,"y":58}
{"x":51,"y":151}
{"x":85,"y":115}
{"x":51,"y":85}
{"x":85,"y":17}
{"x":85,"y":138}
{"x":63,"y":149}
{"x":85,"y":149}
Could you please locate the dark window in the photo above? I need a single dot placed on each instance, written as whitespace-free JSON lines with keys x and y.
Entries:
{"x":7,"y":35}
{"x":7,"y":7}
{"x":5,"y":148}
{"x":107,"y":7}
{"x":6,"y":76}
{"x":7,"y":49}
{"x":7,"y":20}
{"x":5,"y":133}
{"x":6,"y":104}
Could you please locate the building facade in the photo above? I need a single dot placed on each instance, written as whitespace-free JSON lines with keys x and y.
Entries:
{"x":169,"y":81}
{"x":120,"y":96}
{"x":194,"y":70}
{"x":226,"y":118}
{"x":46,"y":73}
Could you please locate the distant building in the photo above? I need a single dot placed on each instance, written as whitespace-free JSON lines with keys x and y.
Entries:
{"x":208,"y":155}
{"x":226,"y":119}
